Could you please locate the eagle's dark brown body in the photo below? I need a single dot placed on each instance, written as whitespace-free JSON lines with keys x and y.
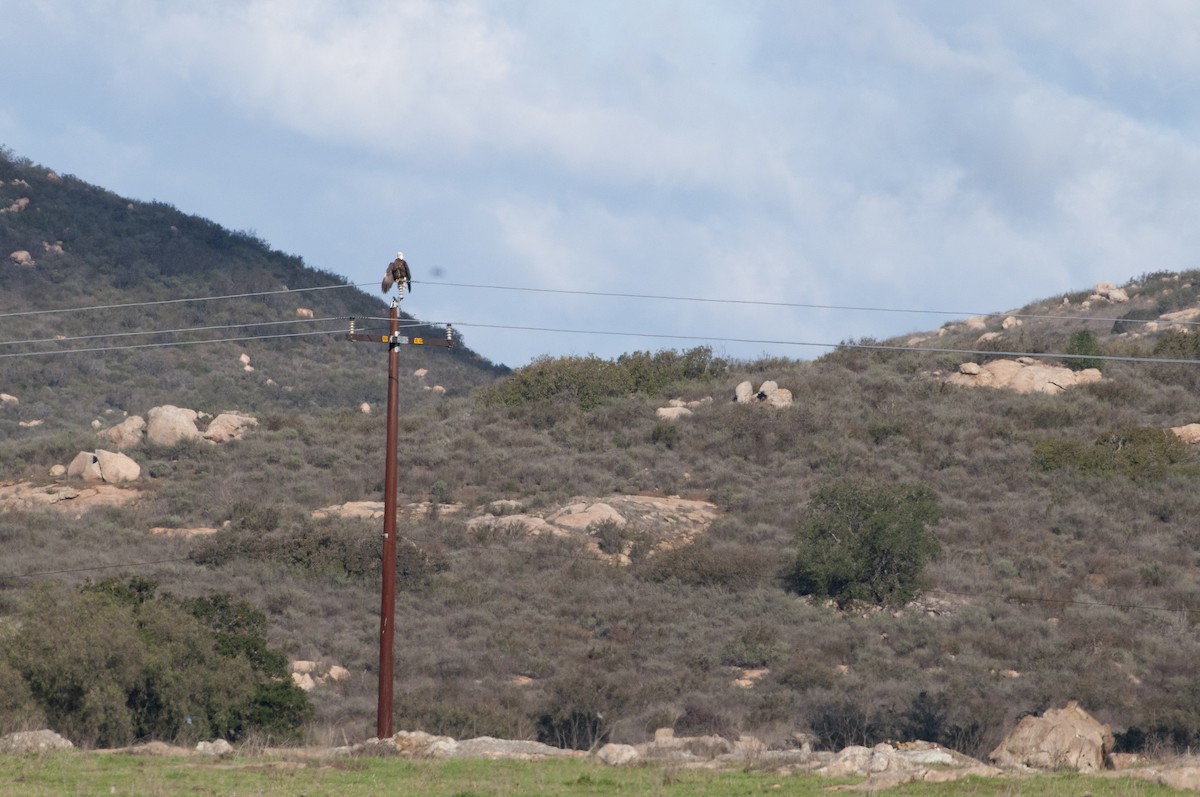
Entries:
{"x":397,"y":271}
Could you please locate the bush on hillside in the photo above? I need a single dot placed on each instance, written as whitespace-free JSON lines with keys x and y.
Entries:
{"x":1084,"y":349}
{"x":864,"y":542}
{"x":1175,"y":344}
{"x":1138,"y":452}
{"x":114,"y":663}
{"x":588,"y":382}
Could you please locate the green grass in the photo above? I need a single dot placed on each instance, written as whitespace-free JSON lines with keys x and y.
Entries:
{"x":87,"y":774}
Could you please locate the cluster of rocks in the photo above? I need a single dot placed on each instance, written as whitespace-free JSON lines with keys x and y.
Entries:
{"x":308,"y":675}
{"x":1024,"y":375}
{"x":678,"y":408}
{"x":168,"y":425}
{"x":768,"y":393}
{"x":29,"y":497}
{"x":373,"y":510}
{"x":100,"y":466}
{"x":662,"y":522}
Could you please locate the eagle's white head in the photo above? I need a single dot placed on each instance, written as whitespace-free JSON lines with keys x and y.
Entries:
{"x":400,"y":255}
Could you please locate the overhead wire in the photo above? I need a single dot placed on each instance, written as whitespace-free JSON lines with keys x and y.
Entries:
{"x":154,"y":302}
{"x":796,"y":305}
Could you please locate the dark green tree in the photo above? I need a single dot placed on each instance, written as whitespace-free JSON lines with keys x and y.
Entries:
{"x":866,"y":542}
{"x":115,"y":662}
{"x":1085,"y":348}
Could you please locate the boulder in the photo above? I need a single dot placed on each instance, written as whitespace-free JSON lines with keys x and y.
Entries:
{"x":85,"y":466}
{"x":1188,"y":433}
{"x":127,"y":434}
{"x":58,"y":471}
{"x":1064,"y":738}
{"x":8,"y":398}
{"x":304,"y":681}
{"x":229,"y":426}
{"x":337,"y":673}
{"x":779,"y":398}
{"x":116,"y":467}
{"x":671,"y":413}
{"x":1024,"y":375}
{"x":1011,"y":322}
{"x":364,"y":408}
{"x":418,"y":744}
{"x":21,"y":257}
{"x":1109,"y":292}
{"x":304,"y":312}
{"x":579,"y":517}
{"x":168,"y":425}
{"x":217,"y":747}
{"x":25,"y":742}
{"x":618,"y":755}
{"x":743,"y":393}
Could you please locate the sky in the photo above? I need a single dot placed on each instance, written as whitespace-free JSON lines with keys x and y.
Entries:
{"x":918,"y":155}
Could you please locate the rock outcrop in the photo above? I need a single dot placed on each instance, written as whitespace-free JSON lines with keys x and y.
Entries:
{"x":103,"y":466}
{"x":229,"y":426}
{"x":217,"y":747}
{"x":21,"y":257}
{"x":169,"y":425}
{"x":1062,"y":738}
{"x":664,"y":522}
{"x":678,"y":408}
{"x":29,"y":742}
{"x":1024,"y":375}
{"x":769,"y":393}
{"x":308,"y":675}
{"x":127,"y":434}
{"x":1188,"y":433}
{"x":27,"y":497}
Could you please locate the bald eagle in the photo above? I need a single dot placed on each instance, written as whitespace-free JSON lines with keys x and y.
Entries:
{"x":397,"y":271}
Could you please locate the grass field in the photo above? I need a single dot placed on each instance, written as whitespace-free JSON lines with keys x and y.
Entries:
{"x":152,"y":776}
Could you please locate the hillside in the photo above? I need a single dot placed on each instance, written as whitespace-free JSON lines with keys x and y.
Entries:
{"x":67,"y":247}
{"x":544,"y":595}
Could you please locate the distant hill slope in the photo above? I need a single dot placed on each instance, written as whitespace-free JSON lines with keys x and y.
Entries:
{"x":84,"y":247}
{"x":1127,"y":320}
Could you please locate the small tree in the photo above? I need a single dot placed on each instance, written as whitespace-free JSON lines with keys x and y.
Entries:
{"x":1085,"y":348}
{"x":860,"y":541}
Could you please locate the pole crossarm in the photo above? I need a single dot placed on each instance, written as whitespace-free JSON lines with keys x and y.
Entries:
{"x":396,"y":339}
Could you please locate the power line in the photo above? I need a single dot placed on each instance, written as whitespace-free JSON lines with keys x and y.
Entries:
{"x":89,"y":568}
{"x":608,"y":294}
{"x":182,"y":330}
{"x":94,"y":307}
{"x":131,"y":346}
{"x":795,"y":305}
{"x":844,"y":345}
{"x":177,"y":331}
{"x":654,"y":335}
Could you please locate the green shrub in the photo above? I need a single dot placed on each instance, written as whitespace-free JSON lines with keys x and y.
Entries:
{"x":1176,"y":344}
{"x":1138,"y":452}
{"x":588,"y":382}
{"x":860,"y":541}
{"x":1084,"y":348}
{"x":114,"y":662}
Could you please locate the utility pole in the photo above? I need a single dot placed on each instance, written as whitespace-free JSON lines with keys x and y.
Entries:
{"x":391,"y":489}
